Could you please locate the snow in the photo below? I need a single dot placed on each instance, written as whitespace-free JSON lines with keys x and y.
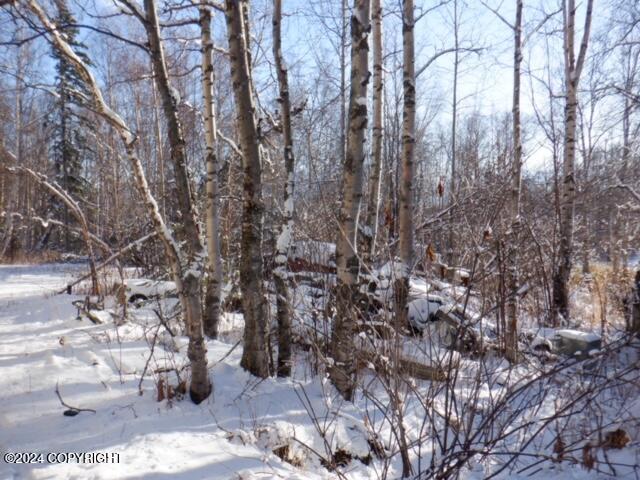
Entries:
{"x":578,"y":335}
{"x":99,"y":366}
{"x":175,"y":95}
{"x":102,"y":315}
{"x":393,"y":270}
{"x":366,"y":231}
{"x":315,"y":252}
{"x":284,"y":239}
{"x":236,"y":432}
{"x":421,"y":311}
{"x":288,"y":206}
{"x":149,"y":288}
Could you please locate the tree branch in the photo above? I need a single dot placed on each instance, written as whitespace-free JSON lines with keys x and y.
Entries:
{"x":439,"y":54}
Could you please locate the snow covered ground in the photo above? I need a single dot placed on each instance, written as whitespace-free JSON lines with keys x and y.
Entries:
{"x":43,"y":345}
{"x":235,"y":434}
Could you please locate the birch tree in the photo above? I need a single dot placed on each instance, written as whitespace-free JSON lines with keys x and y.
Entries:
{"x":572,"y":70}
{"x":454,"y":132}
{"x":9,"y":190}
{"x":408,"y":147}
{"x":214,"y":264}
{"x":193,"y":249}
{"x":255,"y":356}
{"x":511,"y":333}
{"x":185,"y":273}
{"x":341,"y":371}
{"x":280,"y":273}
{"x":373,"y":209}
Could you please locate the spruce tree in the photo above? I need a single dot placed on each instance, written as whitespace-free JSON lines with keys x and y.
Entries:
{"x":70,"y":148}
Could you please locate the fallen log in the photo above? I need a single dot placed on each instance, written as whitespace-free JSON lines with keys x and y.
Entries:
{"x":408,"y":366}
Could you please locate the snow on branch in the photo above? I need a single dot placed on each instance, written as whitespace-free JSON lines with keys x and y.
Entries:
{"x":629,"y":189}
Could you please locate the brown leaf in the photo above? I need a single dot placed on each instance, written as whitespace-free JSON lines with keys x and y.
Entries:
{"x":588,"y":460}
{"x":440,"y":188}
{"x":431,"y":253}
{"x":616,"y":439}
{"x":160,"y":386}
{"x":558,"y":448}
{"x":388,"y":216}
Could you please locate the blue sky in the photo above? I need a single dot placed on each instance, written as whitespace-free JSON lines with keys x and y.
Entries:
{"x":485,"y":83}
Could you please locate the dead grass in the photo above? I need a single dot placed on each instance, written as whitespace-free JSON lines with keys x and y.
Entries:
{"x":31,"y":258}
{"x":598,"y":298}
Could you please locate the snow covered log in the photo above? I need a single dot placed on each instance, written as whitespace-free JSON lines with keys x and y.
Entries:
{"x":408,"y":366}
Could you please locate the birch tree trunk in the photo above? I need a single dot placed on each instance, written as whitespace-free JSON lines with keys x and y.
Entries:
{"x":454,"y":132}
{"x":10,"y":192}
{"x":255,"y":356}
{"x":572,"y":71}
{"x":280,"y":273}
{"x":343,"y":80}
{"x":193,"y":271}
{"x":341,"y":371}
{"x":200,"y":386}
{"x":405,"y":230}
{"x":511,"y":333}
{"x":373,"y":209}
{"x":214,"y":263}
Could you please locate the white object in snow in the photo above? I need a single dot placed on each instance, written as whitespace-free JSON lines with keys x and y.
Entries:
{"x":422,"y":311}
{"x":144,"y":288}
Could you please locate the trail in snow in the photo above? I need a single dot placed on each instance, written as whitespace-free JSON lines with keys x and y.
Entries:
{"x":232,"y":435}
{"x":43,"y":344}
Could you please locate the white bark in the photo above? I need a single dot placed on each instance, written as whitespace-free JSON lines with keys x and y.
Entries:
{"x":255,"y":355}
{"x":342,"y":371}
{"x":214,"y":263}
{"x":454,"y":132}
{"x":572,"y":70}
{"x":373,"y":210}
{"x":408,"y":146}
{"x":192,"y":269}
{"x":286,"y":232}
{"x":511,"y":333}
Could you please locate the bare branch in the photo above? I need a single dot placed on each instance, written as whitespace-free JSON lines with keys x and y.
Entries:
{"x":439,"y":54}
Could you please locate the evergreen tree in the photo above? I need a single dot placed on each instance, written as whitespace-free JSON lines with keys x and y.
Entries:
{"x":70,"y":148}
